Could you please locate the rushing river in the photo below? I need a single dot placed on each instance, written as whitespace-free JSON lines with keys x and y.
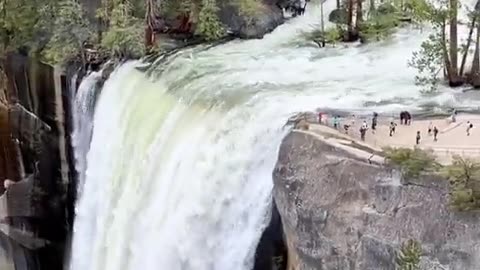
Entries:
{"x":178,"y":172}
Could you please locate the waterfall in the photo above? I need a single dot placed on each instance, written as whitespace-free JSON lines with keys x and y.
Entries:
{"x":179,"y":167}
{"x":83,"y":108}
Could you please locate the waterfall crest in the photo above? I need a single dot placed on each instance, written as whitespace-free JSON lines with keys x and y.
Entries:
{"x":176,"y":183}
{"x":179,"y":167}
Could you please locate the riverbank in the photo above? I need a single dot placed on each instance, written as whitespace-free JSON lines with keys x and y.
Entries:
{"x":452,"y":138}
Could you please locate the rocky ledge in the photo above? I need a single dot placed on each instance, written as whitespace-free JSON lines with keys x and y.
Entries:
{"x":340,"y":211}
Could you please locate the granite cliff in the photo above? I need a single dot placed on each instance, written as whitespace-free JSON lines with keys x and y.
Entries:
{"x":340,"y":211}
{"x":36,"y":198}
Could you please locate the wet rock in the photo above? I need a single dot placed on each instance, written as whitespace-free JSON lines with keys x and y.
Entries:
{"x":34,"y":211}
{"x":339,"y":212}
{"x":271,"y":253}
{"x":264,"y":20}
{"x":14,"y":256}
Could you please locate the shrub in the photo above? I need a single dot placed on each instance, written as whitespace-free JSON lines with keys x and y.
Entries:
{"x":464,"y":180}
{"x":332,"y":35}
{"x":411,"y":161}
{"x":409,"y":256}
{"x":249,"y":8}
{"x":70,"y":32}
{"x":209,"y":25}
{"x":386,"y":9}
{"x":125,"y":33}
{"x":378,"y":26}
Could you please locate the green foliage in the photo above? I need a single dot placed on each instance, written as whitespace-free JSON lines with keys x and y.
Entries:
{"x":139,"y":8}
{"x":378,"y":26}
{"x":209,"y":25}
{"x":464,"y":179}
{"x":249,"y":8}
{"x":21,"y":24}
{"x":428,"y":62}
{"x":172,"y":8}
{"x":124,"y":36}
{"x":409,"y":256}
{"x":435,"y":12}
{"x":411,"y":161}
{"x":432,"y":57}
{"x":70,"y":31}
{"x":386,"y":9}
{"x":331,"y":36}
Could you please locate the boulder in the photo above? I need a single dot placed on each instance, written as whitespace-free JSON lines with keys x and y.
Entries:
{"x":340,"y":212}
{"x":264,"y":20}
{"x":338,"y":16}
{"x":386,"y":9}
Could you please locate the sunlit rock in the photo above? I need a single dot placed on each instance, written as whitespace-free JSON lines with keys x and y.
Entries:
{"x":341,"y":212}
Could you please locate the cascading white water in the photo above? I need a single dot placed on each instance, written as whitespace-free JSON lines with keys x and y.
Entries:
{"x":179,"y":167}
{"x":83,"y":108}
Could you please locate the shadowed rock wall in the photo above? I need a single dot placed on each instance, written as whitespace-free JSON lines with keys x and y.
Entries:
{"x":34,"y":210}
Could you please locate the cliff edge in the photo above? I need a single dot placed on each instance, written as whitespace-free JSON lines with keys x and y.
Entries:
{"x":340,"y":211}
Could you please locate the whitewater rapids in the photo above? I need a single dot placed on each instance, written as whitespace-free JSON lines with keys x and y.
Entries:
{"x":178,"y":172}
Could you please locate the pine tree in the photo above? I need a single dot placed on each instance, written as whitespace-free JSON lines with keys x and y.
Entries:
{"x":70,"y":33}
{"x":124,"y":37}
{"x":209,"y":24}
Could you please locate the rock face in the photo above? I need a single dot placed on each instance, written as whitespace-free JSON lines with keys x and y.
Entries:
{"x":266,"y":18}
{"x":35,"y":213}
{"x":271,"y":252}
{"x":340,"y":212}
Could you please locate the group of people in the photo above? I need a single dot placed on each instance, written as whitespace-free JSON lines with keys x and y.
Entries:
{"x":322,"y":119}
{"x":405,"y":119}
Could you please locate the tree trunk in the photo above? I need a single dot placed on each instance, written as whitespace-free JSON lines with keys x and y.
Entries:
{"x":352,"y":33}
{"x":446,"y":58}
{"x":359,"y":15}
{"x":338,"y":4}
{"x":350,"y":15}
{"x":372,"y":6}
{"x":150,"y":16}
{"x":467,"y":47}
{"x":475,"y":71}
{"x":454,"y":78}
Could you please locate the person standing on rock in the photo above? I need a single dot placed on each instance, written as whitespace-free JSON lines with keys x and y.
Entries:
{"x":469,"y":127}
{"x":454,"y":116}
{"x":418,"y":138}
{"x":402,"y":117}
{"x":374,"y":122}
{"x":363,"y":130}
{"x":408,"y":118}
{"x":435,"y":133}
{"x":335,"y":122}
{"x":353,"y":120}
{"x":392,"y":128}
